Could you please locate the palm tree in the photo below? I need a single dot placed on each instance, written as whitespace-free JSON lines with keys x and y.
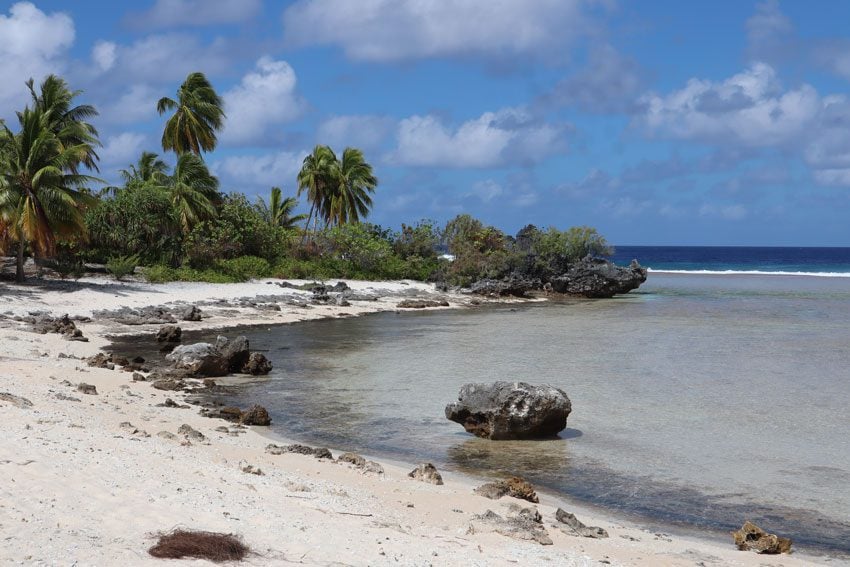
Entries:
{"x":149,"y":170}
{"x":350,"y":200}
{"x":279,"y":211}
{"x":67,"y":122}
{"x":40,"y":197}
{"x":198,"y":116}
{"x":316,"y":178}
{"x":194,"y":190}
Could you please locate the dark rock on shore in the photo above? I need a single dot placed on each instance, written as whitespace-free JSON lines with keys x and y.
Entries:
{"x":228,"y":413}
{"x":510,"y":410}
{"x":63,"y":325}
{"x":318,"y":452}
{"x":422,"y":303}
{"x":87,"y":389}
{"x":515,"y":285}
{"x":426,"y":472}
{"x":255,"y":415}
{"x":256,"y":365}
{"x":752,"y":538}
{"x":199,"y":359}
{"x":598,"y":278}
{"x":190,"y":313}
{"x":572,"y":526}
{"x":235,"y":352}
{"x":169,"y":334}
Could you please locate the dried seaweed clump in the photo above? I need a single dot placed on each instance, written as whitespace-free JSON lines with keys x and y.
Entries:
{"x":212,"y":546}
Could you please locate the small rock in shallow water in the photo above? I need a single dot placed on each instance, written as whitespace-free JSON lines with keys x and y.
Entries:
{"x":426,"y":472}
{"x":752,"y":538}
{"x":256,"y":415}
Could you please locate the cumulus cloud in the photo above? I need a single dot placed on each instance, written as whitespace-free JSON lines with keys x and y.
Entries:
{"x":33,"y":44}
{"x":135,"y":104}
{"x":364,"y":131}
{"x":609,"y":83}
{"x":165,"y":58}
{"x":769,"y":31}
{"x":120,"y":150}
{"x":104,"y":54}
{"x":396,"y":30}
{"x":260,"y":103}
{"x":486,"y":190}
{"x":749,"y":108}
{"x":260,"y":171}
{"x":510,"y":136}
{"x":593,"y":184}
{"x":171,"y":13}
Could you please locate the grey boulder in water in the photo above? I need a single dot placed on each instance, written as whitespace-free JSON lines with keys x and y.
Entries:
{"x":596,"y":277}
{"x":510,"y":410}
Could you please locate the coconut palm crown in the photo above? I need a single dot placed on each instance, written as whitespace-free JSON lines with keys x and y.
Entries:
{"x":198,"y":115}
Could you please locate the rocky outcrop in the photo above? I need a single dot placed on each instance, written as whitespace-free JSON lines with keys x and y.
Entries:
{"x":222,"y":358}
{"x":752,"y":538}
{"x":515,"y":285}
{"x":597,"y":277}
{"x":199,"y":359}
{"x":571,"y":525}
{"x":190,"y":313}
{"x":62,"y":325}
{"x":510,"y":410}
{"x":426,"y":472}
{"x":318,"y":452}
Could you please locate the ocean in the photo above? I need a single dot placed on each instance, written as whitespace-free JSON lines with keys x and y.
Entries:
{"x":714,"y":394}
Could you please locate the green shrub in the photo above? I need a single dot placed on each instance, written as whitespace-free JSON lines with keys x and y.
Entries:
{"x":164,"y":274}
{"x":121,"y":266}
{"x":244,"y":268}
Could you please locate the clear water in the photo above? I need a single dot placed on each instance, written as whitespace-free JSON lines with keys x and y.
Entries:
{"x":698,"y":400}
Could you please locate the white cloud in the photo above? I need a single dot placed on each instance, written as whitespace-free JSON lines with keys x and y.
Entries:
{"x":33,"y":44}
{"x":136,"y":104}
{"x":609,"y":83}
{"x":169,"y":57}
{"x":260,"y":103}
{"x":767,"y":26}
{"x":277,"y":169}
{"x":395,"y":30}
{"x":121,"y":150}
{"x":507,"y":137}
{"x":171,"y":13}
{"x":749,"y":108}
{"x":104,"y":54}
{"x":486,"y":190}
{"x":366,"y":132}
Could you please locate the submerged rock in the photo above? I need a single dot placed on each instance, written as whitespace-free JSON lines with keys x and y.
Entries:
{"x":422,"y":303}
{"x":597,"y":277}
{"x":426,"y":472}
{"x":510,"y":410}
{"x":257,"y":364}
{"x":752,"y":538}
{"x":569,"y":524}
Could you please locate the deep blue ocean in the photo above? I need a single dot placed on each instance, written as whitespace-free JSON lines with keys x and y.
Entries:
{"x":740,"y":259}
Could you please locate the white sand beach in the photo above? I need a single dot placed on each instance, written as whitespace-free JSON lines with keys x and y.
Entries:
{"x":88,"y":479}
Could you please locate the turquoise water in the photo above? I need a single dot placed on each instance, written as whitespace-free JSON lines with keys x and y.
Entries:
{"x":698,"y":400}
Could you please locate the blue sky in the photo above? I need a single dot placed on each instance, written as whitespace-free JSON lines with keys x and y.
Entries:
{"x":663,"y":122}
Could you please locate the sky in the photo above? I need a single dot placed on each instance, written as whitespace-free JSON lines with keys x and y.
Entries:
{"x":657,"y":122}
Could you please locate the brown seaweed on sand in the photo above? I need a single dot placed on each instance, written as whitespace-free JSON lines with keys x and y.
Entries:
{"x":212,"y":546}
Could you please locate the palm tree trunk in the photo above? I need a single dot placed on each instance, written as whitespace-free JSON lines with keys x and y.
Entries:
{"x":19,"y":267}
{"x":307,"y":224}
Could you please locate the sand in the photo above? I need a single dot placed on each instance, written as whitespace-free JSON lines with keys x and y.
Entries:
{"x":89,"y":479}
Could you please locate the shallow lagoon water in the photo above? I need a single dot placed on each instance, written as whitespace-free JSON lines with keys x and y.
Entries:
{"x":698,"y":400}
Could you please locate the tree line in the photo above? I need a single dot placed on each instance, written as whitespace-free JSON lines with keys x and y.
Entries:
{"x":178,"y":224}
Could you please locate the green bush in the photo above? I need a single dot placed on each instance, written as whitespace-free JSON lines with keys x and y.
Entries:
{"x":164,"y":274}
{"x":121,"y":266}
{"x":244,"y":268}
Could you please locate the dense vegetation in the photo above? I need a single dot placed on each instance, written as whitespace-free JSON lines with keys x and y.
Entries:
{"x":177,"y":223}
